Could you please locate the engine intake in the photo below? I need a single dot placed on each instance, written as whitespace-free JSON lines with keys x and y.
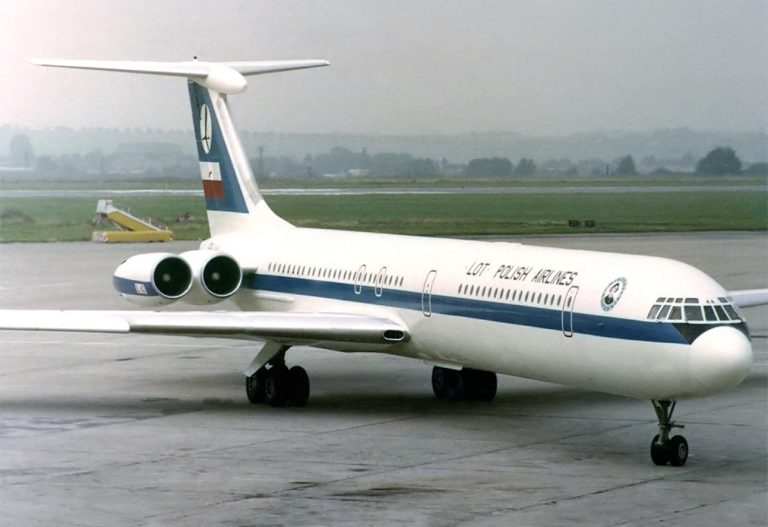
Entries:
{"x":216,"y":276}
{"x":153,"y":279}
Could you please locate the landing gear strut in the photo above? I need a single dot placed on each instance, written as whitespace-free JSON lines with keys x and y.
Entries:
{"x":463,"y":385}
{"x":275,"y":384}
{"x":663,"y":449}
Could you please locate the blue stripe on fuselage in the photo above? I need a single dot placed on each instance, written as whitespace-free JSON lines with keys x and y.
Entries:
{"x":537,"y":317}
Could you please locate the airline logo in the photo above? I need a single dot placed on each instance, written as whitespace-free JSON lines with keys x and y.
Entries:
{"x":612,"y":293}
{"x":210,"y":172}
{"x":206,"y":128}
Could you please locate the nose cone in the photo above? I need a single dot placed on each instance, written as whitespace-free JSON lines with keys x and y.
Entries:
{"x":720,"y":359}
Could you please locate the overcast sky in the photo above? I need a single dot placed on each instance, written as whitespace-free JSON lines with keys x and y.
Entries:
{"x":401,"y":67}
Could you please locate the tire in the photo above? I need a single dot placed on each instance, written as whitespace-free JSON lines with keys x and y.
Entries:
{"x":659,"y":452}
{"x":276,"y":386}
{"x":439,"y":382}
{"x":678,"y":451}
{"x":455,"y":390}
{"x":479,"y":385}
{"x":298,"y":388}
{"x":254,"y":387}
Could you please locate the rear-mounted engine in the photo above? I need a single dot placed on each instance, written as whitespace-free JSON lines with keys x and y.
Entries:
{"x":195,"y":277}
{"x":153,"y":279}
{"x":215,"y":277}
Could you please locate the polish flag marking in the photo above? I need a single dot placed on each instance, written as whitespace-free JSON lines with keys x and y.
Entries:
{"x":211,"y":176}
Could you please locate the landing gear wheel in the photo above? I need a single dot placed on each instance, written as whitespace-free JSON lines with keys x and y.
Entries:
{"x":447,"y":384}
{"x":254,"y":387}
{"x":276,"y":386}
{"x":440,"y":382}
{"x":479,"y":385}
{"x":678,"y":451}
{"x":463,"y":385}
{"x":663,"y":449}
{"x":659,"y":453}
{"x":298,"y":391}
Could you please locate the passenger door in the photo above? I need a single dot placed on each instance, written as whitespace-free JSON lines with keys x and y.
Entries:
{"x":426,"y":293}
{"x":567,"y":314}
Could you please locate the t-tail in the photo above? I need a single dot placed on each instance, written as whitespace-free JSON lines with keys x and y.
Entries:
{"x":232,"y":196}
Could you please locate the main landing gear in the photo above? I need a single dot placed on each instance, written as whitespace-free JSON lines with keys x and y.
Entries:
{"x":276,"y":385}
{"x":663,"y":449}
{"x":463,"y":385}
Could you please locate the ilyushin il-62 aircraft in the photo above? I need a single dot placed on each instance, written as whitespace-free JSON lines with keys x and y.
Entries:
{"x":637,"y":326}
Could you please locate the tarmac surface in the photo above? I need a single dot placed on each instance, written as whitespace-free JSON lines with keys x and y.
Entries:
{"x":136,"y":430}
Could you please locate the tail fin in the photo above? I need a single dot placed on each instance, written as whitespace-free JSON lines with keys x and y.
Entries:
{"x":232,"y":197}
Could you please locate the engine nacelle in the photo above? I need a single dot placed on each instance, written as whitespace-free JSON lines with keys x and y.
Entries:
{"x":153,"y":279}
{"x":215,"y":276}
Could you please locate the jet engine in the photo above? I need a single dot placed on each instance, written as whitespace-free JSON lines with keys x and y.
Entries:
{"x":215,"y":277}
{"x":195,"y":277}
{"x":153,"y":279}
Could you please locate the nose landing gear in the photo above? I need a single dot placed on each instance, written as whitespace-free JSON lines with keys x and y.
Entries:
{"x":663,"y":448}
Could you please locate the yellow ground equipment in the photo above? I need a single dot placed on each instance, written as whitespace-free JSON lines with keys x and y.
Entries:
{"x":130,"y":228}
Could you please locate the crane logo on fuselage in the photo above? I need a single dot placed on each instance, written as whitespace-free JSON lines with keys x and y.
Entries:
{"x":612,"y":293}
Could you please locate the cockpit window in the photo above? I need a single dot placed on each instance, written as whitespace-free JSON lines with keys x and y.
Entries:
{"x":731,"y":312}
{"x":654,"y":311}
{"x":693,"y":311}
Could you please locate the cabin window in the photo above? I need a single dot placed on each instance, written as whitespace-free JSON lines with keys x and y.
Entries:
{"x":559,"y":300}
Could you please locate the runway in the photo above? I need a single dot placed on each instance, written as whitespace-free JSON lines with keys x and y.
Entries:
{"x":391,"y":191}
{"x":142,"y":430}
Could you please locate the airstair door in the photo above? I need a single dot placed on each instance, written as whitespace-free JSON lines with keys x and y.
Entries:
{"x":567,"y":313}
{"x":426,"y":293}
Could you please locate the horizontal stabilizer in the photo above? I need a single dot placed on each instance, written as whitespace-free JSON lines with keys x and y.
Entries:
{"x":224,"y":77}
{"x":284,"y":327}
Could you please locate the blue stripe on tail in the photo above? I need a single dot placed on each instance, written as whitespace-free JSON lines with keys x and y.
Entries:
{"x":227,"y":195}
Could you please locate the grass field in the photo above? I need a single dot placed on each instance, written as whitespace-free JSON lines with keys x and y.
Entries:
{"x":43,"y":219}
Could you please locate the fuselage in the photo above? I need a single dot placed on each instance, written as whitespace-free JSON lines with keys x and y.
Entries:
{"x":639,"y":326}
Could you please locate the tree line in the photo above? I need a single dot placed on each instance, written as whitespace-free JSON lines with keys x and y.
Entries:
{"x":168,"y":160}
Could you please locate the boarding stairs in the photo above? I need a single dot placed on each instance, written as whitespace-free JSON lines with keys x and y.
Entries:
{"x":130,"y":228}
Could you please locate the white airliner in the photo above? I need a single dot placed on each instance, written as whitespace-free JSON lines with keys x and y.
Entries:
{"x":636,"y":326}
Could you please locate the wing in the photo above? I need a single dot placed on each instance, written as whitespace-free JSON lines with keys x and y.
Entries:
{"x":283,"y":327}
{"x":749,"y":297}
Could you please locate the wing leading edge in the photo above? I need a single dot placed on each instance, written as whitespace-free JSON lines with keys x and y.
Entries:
{"x":284,"y":327}
{"x":749,"y":297}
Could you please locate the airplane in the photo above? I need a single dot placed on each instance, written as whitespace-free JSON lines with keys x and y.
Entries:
{"x":636,"y":326}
